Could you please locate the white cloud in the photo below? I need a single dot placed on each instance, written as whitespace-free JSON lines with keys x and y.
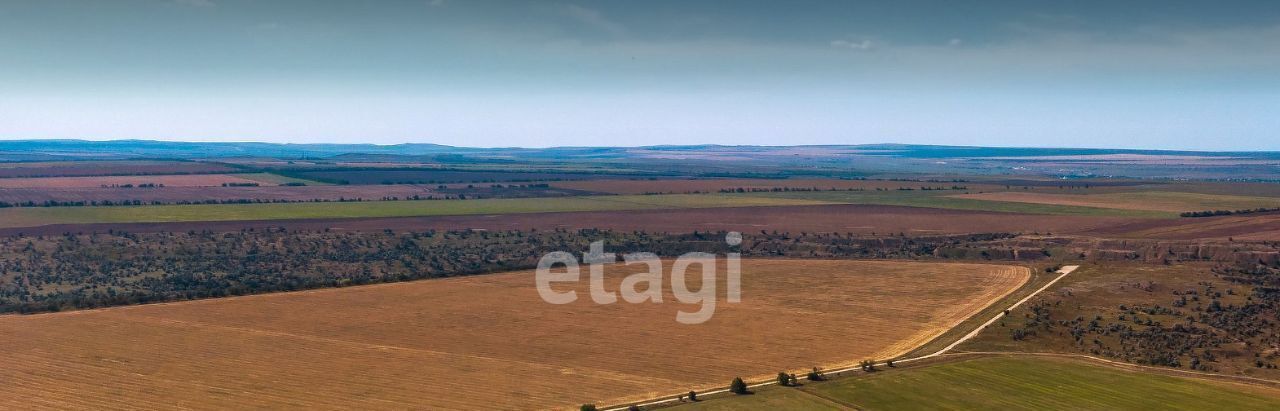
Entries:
{"x":594,"y":19}
{"x":955,"y":42}
{"x":196,"y":3}
{"x":435,"y":3}
{"x":863,"y":44}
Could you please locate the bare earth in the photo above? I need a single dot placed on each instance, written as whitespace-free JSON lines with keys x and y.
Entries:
{"x":481,"y":342}
{"x":1156,"y":201}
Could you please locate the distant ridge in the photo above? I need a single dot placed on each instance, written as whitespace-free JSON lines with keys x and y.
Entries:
{"x":33,"y":150}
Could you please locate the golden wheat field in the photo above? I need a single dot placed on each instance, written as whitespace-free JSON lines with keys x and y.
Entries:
{"x":480,"y":342}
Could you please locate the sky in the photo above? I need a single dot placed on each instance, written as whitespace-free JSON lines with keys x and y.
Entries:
{"x":1201,"y":75}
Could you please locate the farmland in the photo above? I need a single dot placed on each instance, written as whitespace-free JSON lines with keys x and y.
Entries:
{"x":107,"y":168}
{"x":1008,"y":383}
{"x":1254,"y":227}
{"x":1139,"y":200}
{"x":943,"y":199}
{"x":180,"y":180}
{"x":681,"y":186}
{"x":358,"y":281}
{"x":434,"y":176}
{"x":426,"y":343}
{"x":184,"y":195}
{"x":20,"y":217}
{"x":867,"y":220}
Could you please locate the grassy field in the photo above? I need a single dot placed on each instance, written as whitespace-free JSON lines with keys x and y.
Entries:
{"x":944,"y":199}
{"x":1008,"y":383}
{"x":482,"y":342}
{"x":1166,"y":201}
{"x":276,"y":179}
{"x":25,"y":217}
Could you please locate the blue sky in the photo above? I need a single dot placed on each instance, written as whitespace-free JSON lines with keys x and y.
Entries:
{"x":1133,"y":74}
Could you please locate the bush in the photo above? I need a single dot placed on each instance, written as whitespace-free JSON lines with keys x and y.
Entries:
{"x":738,"y":386}
{"x":815,"y":375}
{"x":784,"y":379}
{"x":588,"y":407}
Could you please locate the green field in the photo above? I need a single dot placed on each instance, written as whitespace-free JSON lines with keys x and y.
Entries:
{"x":276,"y":179}
{"x":940,"y":199}
{"x":1008,"y":383}
{"x":33,"y":216}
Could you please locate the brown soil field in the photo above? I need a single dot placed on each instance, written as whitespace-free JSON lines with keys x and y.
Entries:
{"x":1139,"y":200}
{"x":715,"y":185}
{"x":432,"y":176}
{"x":103,"y":168}
{"x":179,"y":180}
{"x":1247,"y":227}
{"x":860,"y":219}
{"x":169,"y":194}
{"x":481,"y":342}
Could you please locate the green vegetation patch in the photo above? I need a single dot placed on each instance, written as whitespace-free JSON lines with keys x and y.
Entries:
{"x":276,"y":179}
{"x":1014,"y":383}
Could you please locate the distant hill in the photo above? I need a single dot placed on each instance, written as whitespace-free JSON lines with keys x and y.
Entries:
{"x":29,"y":150}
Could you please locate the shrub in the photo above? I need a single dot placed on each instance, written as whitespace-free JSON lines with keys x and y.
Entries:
{"x":738,"y":386}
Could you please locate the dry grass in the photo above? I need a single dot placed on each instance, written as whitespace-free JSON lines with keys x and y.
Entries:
{"x":479,"y":342}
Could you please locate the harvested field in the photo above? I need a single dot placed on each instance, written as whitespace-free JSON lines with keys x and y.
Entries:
{"x":182,"y":180}
{"x":860,"y":219}
{"x":715,"y":185}
{"x":171,"y":195}
{"x":1139,"y":200}
{"x":480,"y":342}
{"x":105,"y":168}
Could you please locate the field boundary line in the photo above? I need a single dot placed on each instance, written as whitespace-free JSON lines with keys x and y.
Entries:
{"x":1239,"y":379}
{"x":1064,"y":271}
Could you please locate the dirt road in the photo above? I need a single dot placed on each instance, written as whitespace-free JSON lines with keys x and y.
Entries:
{"x":1062,"y":273}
